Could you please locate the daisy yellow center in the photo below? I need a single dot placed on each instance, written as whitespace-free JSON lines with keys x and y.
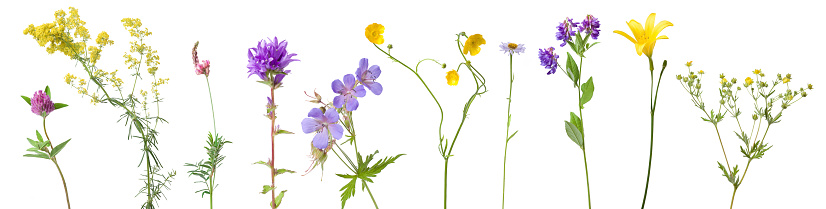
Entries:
{"x":512,"y":46}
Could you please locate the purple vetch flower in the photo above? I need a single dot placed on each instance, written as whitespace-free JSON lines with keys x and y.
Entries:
{"x":324,"y":124}
{"x":269,"y":56}
{"x":591,"y":26}
{"x":566,"y":31}
{"x":368,"y":76}
{"x":549,"y":59}
{"x":42,"y":104}
{"x":348,"y":91}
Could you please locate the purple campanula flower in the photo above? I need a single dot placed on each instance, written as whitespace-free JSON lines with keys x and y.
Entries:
{"x":324,"y":124}
{"x":566,"y":31}
{"x":368,"y":76}
{"x":42,"y":104}
{"x":591,"y":26}
{"x":348,"y":92}
{"x":269,"y":56}
{"x":549,"y":59}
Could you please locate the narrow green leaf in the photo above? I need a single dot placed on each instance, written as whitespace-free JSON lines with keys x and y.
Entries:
{"x":278,"y":198}
{"x":348,"y":190}
{"x":284,"y":132}
{"x":587,"y":92}
{"x":59,"y":147}
{"x":281,"y":171}
{"x":574,"y":134}
{"x":509,"y":138}
{"x":33,"y":143}
{"x":39,"y":138}
{"x":28,"y":100}
{"x":48,"y":92}
{"x":38,"y":155}
{"x":572,"y":68}
{"x":59,"y":105}
{"x":267,"y":188}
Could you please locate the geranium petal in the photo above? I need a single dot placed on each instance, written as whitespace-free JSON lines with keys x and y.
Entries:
{"x":338,"y":101}
{"x":375,"y":87}
{"x":360,"y":92}
{"x":337,"y":86}
{"x":320,"y":140}
{"x":349,"y":81}
{"x":374,"y":72}
{"x":331,"y":116}
{"x":336,"y":130}
{"x":315,"y":113}
{"x":309,"y":125}
{"x":352,"y":104}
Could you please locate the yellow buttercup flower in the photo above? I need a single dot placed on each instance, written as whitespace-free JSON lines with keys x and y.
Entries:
{"x":472,"y":45}
{"x":757,"y":71}
{"x":749,"y":81}
{"x":373,"y":33}
{"x":452,"y":77}
{"x":786,"y":79}
{"x":645,"y":38}
{"x":688,"y":64}
{"x":701,"y":72}
{"x":723,"y":81}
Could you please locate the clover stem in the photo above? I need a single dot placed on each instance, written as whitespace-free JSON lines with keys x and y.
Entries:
{"x":54,"y":160}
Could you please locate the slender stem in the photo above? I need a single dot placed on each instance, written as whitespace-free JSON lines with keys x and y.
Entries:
{"x":721,"y":146}
{"x":370,"y":193}
{"x":211,"y":186}
{"x":651,"y":149}
{"x":732,"y":197}
{"x":342,"y":160}
{"x":445,"y":201}
{"x":272,"y":140}
{"x":54,"y":160}
{"x":587,"y":181}
{"x":507,"y":131}
{"x":214,"y":129}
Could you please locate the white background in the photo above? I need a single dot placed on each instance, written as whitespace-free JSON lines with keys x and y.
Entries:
{"x":545,"y":168}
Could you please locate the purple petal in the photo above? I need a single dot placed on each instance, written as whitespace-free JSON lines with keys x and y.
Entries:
{"x":320,"y":139}
{"x":338,"y":87}
{"x":336,"y":130}
{"x":331,"y":116}
{"x":359,"y":91}
{"x":349,"y":81}
{"x":338,"y":101}
{"x":374,"y":72}
{"x":352,"y":104}
{"x":375,"y":87}
{"x":315,"y":113}
{"x":310,"y":125}
{"x":361,"y":70}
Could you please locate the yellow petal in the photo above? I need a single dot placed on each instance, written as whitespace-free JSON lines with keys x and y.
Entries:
{"x":660,"y":26}
{"x":639,"y":47}
{"x":636,"y":29}
{"x":661,"y":37}
{"x":626,"y":36}
{"x":649,"y":24}
{"x":649,"y":47}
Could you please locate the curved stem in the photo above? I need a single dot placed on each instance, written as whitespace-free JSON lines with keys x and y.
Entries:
{"x":721,"y":146}
{"x":214,"y":129}
{"x":732,"y":198}
{"x":587,"y":180}
{"x":54,"y":160}
{"x":370,"y":193}
{"x":651,"y":149}
{"x":507,"y":131}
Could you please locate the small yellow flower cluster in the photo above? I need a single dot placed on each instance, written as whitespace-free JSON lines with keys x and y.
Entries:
{"x":69,"y":78}
{"x":58,"y":34}
{"x":787,"y":78}
{"x":103,"y":39}
{"x":759,"y":72}
{"x":688,"y":64}
{"x":157,"y":83}
{"x":133,"y":26}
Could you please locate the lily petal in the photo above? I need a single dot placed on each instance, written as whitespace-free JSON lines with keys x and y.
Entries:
{"x":662,"y":37}
{"x":639,"y":47}
{"x":637,"y":30}
{"x":660,"y":26}
{"x":649,"y":24}
{"x":626,"y":36}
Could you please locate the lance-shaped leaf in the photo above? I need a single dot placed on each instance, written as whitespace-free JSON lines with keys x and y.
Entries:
{"x":59,"y":147}
{"x":574,"y":134}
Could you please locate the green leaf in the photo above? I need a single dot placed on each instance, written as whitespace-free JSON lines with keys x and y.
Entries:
{"x":509,"y":138}
{"x":577,"y":122}
{"x":574,"y":134}
{"x":282,"y":131}
{"x":59,"y":105}
{"x":48,"y":92}
{"x":38,"y":155}
{"x":348,"y":190}
{"x":28,"y":100}
{"x":281,"y":171}
{"x":39,"y":138}
{"x":267,"y":188}
{"x":33,"y":143}
{"x":278,"y":198}
{"x":59,"y":147}
{"x":587,"y":92}
{"x":573,"y":69}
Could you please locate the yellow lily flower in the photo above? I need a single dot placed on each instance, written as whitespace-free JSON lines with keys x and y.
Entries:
{"x":645,"y":38}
